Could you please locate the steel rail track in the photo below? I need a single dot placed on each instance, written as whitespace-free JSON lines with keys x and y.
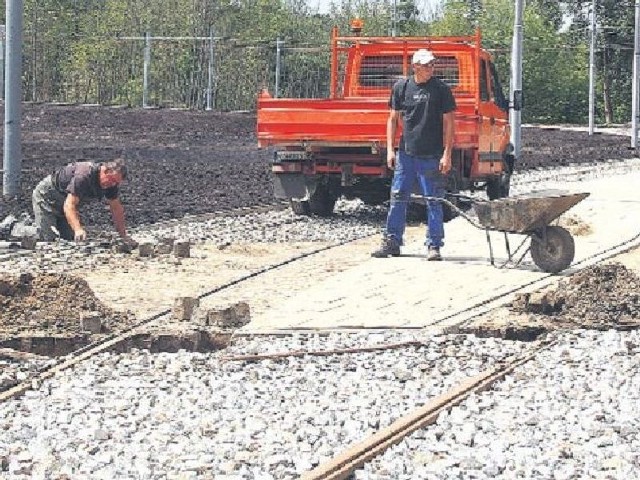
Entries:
{"x":354,"y":457}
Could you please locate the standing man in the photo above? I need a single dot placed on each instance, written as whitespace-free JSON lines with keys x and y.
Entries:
{"x":57,"y":197}
{"x":425,"y":105}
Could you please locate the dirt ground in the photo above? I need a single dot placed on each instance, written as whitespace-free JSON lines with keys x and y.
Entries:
{"x":184,"y":162}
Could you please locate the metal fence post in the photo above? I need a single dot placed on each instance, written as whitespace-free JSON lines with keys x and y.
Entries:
{"x":2,"y":37}
{"x":515,"y":116}
{"x":210,"y":73}
{"x":636,"y":81}
{"x":12,"y":160}
{"x":147,"y":61}
{"x":592,"y":69}
{"x":279,"y":44}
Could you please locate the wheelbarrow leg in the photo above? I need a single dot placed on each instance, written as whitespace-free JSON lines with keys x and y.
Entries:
{"x":508,"y":247}
{"x":490,"y":247}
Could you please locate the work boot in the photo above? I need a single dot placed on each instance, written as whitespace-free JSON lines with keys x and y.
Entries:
{"x":433,"y":254}
{"x":6,"y":225}
{"x":389,"y":247}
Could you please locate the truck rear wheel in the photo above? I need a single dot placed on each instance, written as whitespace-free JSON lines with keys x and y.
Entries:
{"x":499,"y":187}
{"x":299,"y":207}
{"x":321,"y":203}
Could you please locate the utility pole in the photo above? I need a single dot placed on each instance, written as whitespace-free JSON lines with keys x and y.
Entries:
{"x":394,"y":17}
{"x":636,"y":80}
{"x":592,"y":69}
{"x":279,"y":45}
{"x":515,"y":94}
{"x":12,"y":160}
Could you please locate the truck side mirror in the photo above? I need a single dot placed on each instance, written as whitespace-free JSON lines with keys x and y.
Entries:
{"x":518,"y":100}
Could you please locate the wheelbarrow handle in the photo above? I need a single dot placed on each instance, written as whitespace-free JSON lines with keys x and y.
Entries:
{"x":453,"y":206}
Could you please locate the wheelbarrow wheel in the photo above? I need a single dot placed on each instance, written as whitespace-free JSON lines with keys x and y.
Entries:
{"x":556,"y":253}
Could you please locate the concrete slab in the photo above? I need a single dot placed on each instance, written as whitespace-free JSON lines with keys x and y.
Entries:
{"x":409,"y":292}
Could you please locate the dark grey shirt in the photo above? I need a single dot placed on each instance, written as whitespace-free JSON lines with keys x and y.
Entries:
{"x":422,"y":106}
{"x":82,"y":179}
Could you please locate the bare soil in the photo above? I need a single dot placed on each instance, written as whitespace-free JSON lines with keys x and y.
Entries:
{"x":52,"y":303}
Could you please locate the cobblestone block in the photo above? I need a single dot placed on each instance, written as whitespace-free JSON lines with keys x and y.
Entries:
{"x":146,"y":249}
{"x":182,"y":248}
{"x":183,"y":308}
{"x":234,"y":316}
{"x":165,"y":246}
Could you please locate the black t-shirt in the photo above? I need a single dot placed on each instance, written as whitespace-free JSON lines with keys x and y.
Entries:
{"x":82,"y":179}
{"x":422,"y":107}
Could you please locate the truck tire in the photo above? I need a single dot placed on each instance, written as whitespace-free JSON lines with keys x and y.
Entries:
{"x":416,"y":213}
{"x":498,"y":187}
{"x":300,"y":207}
{"x":321,"y":203}
{"x":557,"y":253}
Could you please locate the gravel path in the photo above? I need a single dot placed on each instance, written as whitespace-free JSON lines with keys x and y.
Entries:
{"x":114,"y":416}
{"x":570,"y":414}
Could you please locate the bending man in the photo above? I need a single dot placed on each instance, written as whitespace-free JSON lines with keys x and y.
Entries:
{"x":425,"y":105}
{"x":57,"y":197}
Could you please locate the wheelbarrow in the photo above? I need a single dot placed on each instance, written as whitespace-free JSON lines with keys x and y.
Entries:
{"x":552,"y":247}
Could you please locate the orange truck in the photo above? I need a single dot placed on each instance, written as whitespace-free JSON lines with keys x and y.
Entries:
{"x":329,"y":147}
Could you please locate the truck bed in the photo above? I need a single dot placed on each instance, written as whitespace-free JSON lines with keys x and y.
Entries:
{"x":345,"y":121}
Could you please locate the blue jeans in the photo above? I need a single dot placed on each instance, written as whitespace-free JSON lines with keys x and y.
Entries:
{"x":425,"y":170}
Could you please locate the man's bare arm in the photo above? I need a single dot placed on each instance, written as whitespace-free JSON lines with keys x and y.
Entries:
{"x":448,"y":133}
{"x":392,"y":126}
{"x":117,"y":214}
{"x":70,"y":210}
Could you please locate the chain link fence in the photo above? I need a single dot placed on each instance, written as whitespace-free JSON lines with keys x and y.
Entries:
{"x":180,"y":72}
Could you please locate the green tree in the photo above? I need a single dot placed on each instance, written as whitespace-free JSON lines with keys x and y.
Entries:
{"x":554,"y":73}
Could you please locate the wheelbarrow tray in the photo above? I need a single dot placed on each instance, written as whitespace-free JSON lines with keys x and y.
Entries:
{"x":525,"y":213}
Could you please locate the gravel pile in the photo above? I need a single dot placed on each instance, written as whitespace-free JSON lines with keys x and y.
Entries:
{"x":115,"y":416}
{"x":572,"y":413}
{"x":352,"y":220}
